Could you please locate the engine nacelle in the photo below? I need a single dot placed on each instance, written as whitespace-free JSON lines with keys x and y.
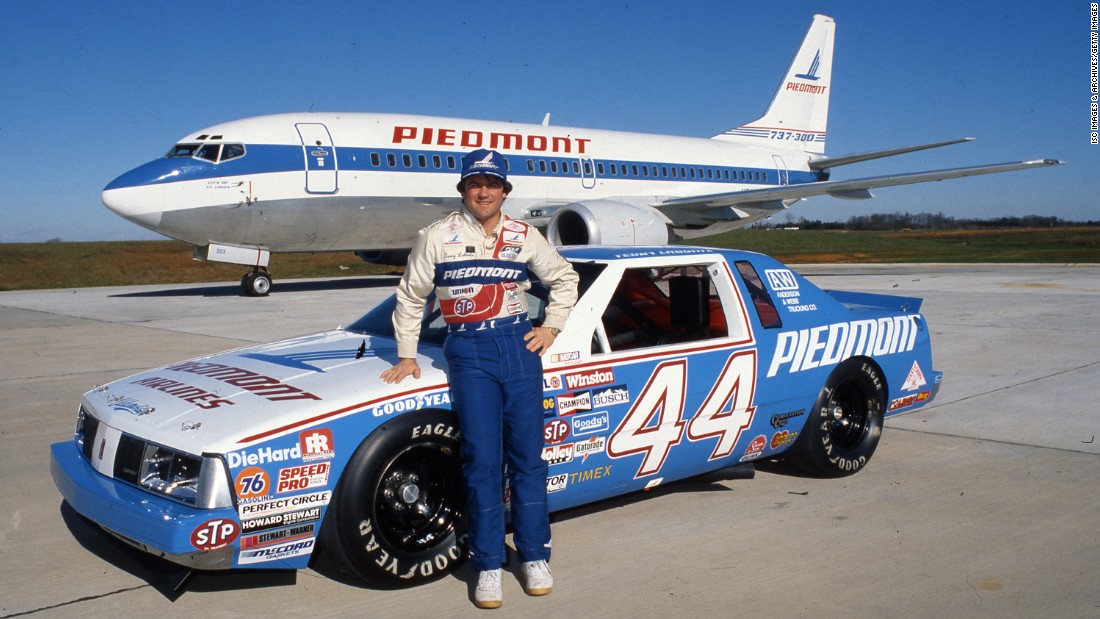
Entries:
{"x":387,"y":257}
{"x":606,"y":222}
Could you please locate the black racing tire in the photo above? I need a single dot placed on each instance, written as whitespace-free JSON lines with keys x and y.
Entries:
{"x":845,"y":424}
{"x":398,"y":515}
{"x":256,"y":284}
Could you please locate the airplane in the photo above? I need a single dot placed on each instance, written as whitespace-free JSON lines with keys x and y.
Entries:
{"x":366,"y":182}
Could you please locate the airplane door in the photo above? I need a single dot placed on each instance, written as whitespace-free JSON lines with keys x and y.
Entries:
{"x":320,"y":157}
{"x":588,"y":173}
{"x":781,"y":168}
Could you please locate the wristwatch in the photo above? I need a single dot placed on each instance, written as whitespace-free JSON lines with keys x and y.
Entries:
{"x":553,"y":331}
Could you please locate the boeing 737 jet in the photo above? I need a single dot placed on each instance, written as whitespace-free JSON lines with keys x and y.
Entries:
{"x":312,"y":182}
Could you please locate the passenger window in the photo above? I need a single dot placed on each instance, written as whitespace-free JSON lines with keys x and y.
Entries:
{"x":391,"y":160}
{"x":659,"y":306}
{"x":422,"y":161}
{"x":375,"y":160}
{"x":436,"y":162}
{"x":450,"y":162}
{"x":761,"y":300}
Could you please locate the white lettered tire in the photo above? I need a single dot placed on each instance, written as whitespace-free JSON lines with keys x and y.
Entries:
{"x":397,"y":518}
{"x":845,"y":424}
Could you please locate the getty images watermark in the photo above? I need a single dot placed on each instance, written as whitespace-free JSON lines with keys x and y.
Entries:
{"x":1094,"y":43}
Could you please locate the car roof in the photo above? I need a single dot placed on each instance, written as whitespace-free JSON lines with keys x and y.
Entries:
{"x":611,"y":253}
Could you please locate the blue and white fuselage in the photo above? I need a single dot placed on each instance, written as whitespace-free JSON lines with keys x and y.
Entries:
{"x":241,"y":190}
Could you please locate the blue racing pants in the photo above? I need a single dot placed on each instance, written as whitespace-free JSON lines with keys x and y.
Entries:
{"x":496,"y":391}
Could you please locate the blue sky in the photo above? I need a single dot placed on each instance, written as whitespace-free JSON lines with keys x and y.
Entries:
{"x":94,"y":89}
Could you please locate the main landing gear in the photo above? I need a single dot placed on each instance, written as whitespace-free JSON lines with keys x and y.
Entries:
{"x":256,"y":283}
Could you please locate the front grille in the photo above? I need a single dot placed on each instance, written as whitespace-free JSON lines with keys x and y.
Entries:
{"x":86,"y":433}
{"x":149,"y":466}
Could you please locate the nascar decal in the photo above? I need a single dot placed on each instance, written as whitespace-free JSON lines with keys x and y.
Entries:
{"x":316,"y":444}
{"x":214,"y":534}
{"x":827,"y":345}
{"x":252,"y":483}
{"x":655,"y":424}
{"x":570,"y":403}
{"x":303,"y":477}
{"x":589,"y":378}
{"x":439,"y":399}
{"x":785,"y":285}
{"x":915,"y":380}
{"x":281,"y":506}
{"x":270,"y":538}
{"x":277,"y":553}
{"x":261,"y":523}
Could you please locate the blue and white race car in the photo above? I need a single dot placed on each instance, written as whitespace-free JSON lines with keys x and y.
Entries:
{"x":677,"y":361}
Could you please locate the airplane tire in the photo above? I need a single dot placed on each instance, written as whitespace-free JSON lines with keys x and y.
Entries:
{"x":256,"y":284}
{"x":398,"y":515}
{"x":845,"y":423}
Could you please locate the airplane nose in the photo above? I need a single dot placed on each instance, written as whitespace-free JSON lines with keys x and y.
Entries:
{"x":130,"y":197}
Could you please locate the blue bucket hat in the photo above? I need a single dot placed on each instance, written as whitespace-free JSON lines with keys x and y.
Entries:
{"x":487,"y":162}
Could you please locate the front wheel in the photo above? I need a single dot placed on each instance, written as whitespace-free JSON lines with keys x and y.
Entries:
{"x":846,"y":422}
{"x":397,"y":517}
{"x":256,"y":284}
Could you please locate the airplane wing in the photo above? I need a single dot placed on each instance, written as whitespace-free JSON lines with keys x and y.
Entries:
{"x":752,"y":203}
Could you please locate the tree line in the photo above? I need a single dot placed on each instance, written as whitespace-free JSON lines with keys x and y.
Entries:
{"x":927,"y":221}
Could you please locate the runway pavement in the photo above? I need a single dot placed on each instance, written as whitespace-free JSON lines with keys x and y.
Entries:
{"x":983,"y":504}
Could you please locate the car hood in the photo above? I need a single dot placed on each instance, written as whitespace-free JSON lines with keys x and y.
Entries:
{"x":226,"y":401}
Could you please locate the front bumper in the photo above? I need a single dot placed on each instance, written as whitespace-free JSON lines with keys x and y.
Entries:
{"x":159,"y":526}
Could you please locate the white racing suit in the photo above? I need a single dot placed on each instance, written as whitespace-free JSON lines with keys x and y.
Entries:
{"x":496,"y":383}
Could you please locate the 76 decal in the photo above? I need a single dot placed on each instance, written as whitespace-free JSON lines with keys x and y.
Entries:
{"x":655,"y":422}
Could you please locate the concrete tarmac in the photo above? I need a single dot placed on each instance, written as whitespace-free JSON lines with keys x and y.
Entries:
{"x":983,"y":504}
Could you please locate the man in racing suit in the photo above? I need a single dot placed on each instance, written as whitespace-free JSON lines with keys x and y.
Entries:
{"x":477,"y":261}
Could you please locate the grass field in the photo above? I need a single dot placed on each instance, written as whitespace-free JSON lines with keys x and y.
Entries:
{"x":74,"y":265}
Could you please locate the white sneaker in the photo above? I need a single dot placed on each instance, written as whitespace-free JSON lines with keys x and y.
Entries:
{"x":537,"y":578}
{"x":488,"y":593}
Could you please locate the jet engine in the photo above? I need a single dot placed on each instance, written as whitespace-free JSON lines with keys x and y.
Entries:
{"x":387,"y":257}
{"x":607,"y":222}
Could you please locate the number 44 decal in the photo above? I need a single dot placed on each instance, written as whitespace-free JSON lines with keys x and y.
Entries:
{"x":655,"y":423}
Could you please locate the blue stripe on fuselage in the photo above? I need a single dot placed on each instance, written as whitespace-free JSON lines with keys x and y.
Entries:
{"x":271,"y":158}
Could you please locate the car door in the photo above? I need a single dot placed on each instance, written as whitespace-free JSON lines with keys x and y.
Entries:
{"x":666,"y":388}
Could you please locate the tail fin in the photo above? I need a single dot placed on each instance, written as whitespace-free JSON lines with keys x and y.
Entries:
{"x":798,"y":113}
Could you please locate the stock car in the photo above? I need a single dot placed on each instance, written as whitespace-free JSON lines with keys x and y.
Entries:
{"x":676,"y":362}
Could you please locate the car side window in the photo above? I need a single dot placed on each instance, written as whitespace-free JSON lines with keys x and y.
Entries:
{"x":658,"y":306}
{"x":761,"y":300}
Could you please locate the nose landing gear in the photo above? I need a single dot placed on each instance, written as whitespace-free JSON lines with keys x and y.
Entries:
{"x":257,"y":283}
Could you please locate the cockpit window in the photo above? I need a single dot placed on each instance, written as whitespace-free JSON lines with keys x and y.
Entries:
{"x":183,"y":150}
{"x":214,"y":153}
{"x":208,"y":152}
{"x":231,"y":151}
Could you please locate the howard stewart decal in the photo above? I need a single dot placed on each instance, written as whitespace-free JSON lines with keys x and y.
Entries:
{"x":827,"y":345}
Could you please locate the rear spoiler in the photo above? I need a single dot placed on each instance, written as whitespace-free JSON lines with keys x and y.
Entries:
{"x":870,"y":300}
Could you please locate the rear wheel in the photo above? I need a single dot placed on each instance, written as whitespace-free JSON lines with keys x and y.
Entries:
{"x":398,"y":516}
{"x":846,"y":422}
